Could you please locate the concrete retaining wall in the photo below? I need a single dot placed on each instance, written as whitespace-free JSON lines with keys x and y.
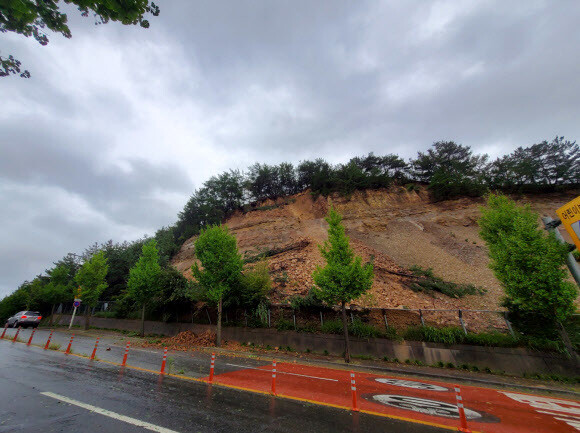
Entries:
{"x":511,"y":360}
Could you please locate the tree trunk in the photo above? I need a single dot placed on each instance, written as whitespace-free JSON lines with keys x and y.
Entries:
{"x":345,"y":326}
{"x":51,"y":315}
{"x":143,"y":321}
{"x":87,"y":318}
{"x":218,"y":338}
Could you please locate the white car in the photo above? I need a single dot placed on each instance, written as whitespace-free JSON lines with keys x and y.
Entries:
{"x":24,"y":319}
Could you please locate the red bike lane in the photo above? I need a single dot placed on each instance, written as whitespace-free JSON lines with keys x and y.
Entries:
{"x":433,"y":403}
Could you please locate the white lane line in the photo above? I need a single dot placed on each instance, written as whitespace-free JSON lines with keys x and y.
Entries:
{"x":283,"y":372}
{"x":110,"y":414}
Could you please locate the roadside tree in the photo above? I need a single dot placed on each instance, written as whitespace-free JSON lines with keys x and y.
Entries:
{"x":31,"y":18}
{"x":344,"y":278}
{"x":221,"y":267}
{"x":92,"y":279}
{"x":529,"y":265}
{"x":143,"y":284}
{"x":59,"y":289}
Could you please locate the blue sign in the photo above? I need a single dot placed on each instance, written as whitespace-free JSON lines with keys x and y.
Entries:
{"x":77,"y":304}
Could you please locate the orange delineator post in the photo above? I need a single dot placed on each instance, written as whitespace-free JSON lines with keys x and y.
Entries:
{"x":95,"y":349}
{"x":164,"y":360}
{"x":274,"y":377}
{"x":31,"y":335}
{"x":126,"y":353}
{"x":211,"y":367}
{"x":461,"y":410}
{"x":4,"y":332}
{"x":69,"y":344}
{"x":16,"y":335}
{"x":48,"y":341}
{"x":353,"y":389}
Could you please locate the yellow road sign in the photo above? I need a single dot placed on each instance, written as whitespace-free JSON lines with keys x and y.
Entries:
{"x":570,"y":216}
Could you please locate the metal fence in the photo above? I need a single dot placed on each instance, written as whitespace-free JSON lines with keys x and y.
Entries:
{"x":314,"y":319}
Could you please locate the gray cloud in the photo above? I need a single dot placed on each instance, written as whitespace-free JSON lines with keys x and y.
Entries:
{"x":118,"y":124}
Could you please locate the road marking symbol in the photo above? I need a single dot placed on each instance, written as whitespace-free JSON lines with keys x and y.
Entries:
{"x":110,"y":414}
{"x":283,"y":372}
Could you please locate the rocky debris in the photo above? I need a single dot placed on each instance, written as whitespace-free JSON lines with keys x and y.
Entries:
{"x":394,"y":228}
{"x":184,"y":341}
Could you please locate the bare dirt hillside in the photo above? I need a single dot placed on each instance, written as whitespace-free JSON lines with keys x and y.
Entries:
{"x":397,"y":227}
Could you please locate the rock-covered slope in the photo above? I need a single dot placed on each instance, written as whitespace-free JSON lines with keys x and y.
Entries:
{"x":396,"y":227}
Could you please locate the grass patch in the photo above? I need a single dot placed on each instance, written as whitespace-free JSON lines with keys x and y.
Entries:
{"x":427,"y":282}
{"x":54,"y":346}
{"x":455,"y":335}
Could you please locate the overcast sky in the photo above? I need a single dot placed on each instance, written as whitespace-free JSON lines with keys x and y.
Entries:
{"x":118,"y":125}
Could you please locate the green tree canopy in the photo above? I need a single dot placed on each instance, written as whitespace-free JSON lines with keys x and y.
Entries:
{"x":32,"y":17}
{"x":221,"y":266}
{"x":92,"y":279}
{"x":143,"y":283}
{"x":529,"y":265}
{"x":344,"y":277}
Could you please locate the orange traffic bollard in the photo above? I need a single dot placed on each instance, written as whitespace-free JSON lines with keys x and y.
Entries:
{"x":69,"y":344}
{"x":16,"y":335}
{"x":353,"y":389}
{"x":31,"y":335}
{"x":48,"y":341}
{"x":461,"y":409}
{"x":126,"y":353}
{"x":211,"y":367}
{"x":4,"y":332}
{"x":95,"y":349}
{"x":273,"y":377}
{"x":164,"y":360}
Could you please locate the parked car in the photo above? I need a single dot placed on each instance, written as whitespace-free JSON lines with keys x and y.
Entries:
{"x":24,"y":319}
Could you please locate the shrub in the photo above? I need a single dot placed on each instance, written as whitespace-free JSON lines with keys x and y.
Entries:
{"x":428,"y":282}
{"x":332,"y":327}
{"x":284,"y":325}
{"x":363,"y":330}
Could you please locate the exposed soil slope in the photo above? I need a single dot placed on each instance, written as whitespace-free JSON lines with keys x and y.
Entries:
{"x":397,"y":227}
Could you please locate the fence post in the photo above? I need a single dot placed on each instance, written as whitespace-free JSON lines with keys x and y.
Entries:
{"x":4,"y":332}
{"x":274,"y":377}
{"x":294,"y":317}
{"x":461,"y":321}
{"x":48,"y":341}
{"x":269,"y":324}
{"x":31,"y":335}
{"x":164,"y":360}
{"x":126,"y":353}
{"x":211,"y":367}
{"x":385,"y":317}
{"x":421,"y":316}
{"x":69,"y":344}
{"x":16,"y":335}
{"x":508,"y":324}
{"x":351,"y":316}
{"x":461,"y":410}
{"x":208,"y":317}
{"x":321,"y":319}
{"x":95,"y":349}
{"x":246,"y":318}
{"x":353,"y":389}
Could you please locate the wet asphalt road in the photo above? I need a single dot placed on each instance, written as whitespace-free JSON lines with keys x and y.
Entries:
{"x":166,"y":402}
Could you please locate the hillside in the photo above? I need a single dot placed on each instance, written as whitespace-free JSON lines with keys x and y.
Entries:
{"x":399,"y":228}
